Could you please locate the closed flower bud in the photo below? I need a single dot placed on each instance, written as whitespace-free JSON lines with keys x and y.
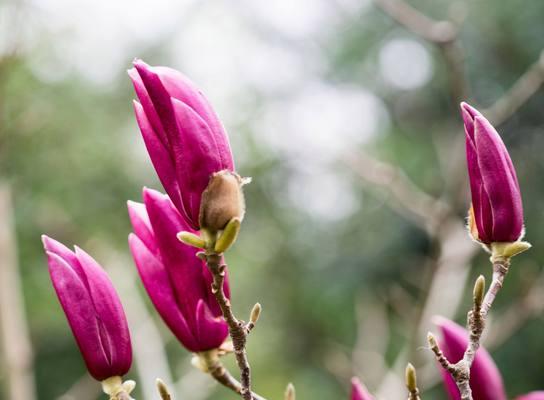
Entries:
{"x":176,"y":280}
{"x":485,"y":378}
{"x":497,"y":212}
{"x":93,"y":310}
{"x":185,"y":140}
{"x":359,"y":391}
{"x":222,"y":201}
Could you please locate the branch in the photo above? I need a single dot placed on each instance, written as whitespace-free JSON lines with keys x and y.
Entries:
{"x":438,"y":32}
{"x":522,"y":90}
{"x":422,"y":208}
{"x":460,"y":371}
{"x":238,"y":331}
{"x":443,"y":34}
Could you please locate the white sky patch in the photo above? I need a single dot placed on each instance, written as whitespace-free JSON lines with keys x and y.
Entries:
{"x":218,"y":50}
{"x":295,"y":19}
{"x":323,"y":194}
{"x":323,"y":121}
{"x":95,"y":38}
{"x":405,"y":64}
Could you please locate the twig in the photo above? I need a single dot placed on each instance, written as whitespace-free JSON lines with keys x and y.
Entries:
{"x":522,"y":90}
{"x":438,"y":32}
{"x":443,"y":34}
{"x":411,"y":382}
{"x":423,"y":209}
{"x":17,"y":349}
{"x":238,"y":331}
{"x":460,"y":371}
{"x":530,"y":305}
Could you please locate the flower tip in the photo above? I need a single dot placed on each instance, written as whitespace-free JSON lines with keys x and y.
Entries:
{"x":467,"y":108}
{"x":45,"y":240}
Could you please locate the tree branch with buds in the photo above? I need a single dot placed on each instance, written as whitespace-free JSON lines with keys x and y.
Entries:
{"x":476,"y":318}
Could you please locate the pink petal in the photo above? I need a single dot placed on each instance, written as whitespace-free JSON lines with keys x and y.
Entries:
{"x":181,"y":88}
{"x":499,"y":181}
{"x":196,"y":156}
{"x":157,"y":284}
{"x":109,"y":311}
{"x":183,"y":267}
{"x":485,"y":380}
{"x":141,"y":225}
{"x":359,"y":391}
{"x":212,"y":331}
{"x":79,"y":310}
{"x":160,"y":155}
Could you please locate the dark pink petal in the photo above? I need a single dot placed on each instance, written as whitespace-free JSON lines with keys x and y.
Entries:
{"x":476,"y":188}
{"x":160,"y":154}
{"x":65,"y":253}
{"x":499,"y":182}
{"x":484,"y":217}
{"x":157,"y":284}
{"x":359,"y":391}
{"x":197,"y":158}
{"x":485,"y":380}
{"x":109,"y":312}
{"x":469,"y":113}
{"x":156,"y":101}
{"x":147,"y":105}
{"x":211,"y":330}
{"x":79,"y":310}
{"x":184,"y":269}
{"x":141,"y":225}
{"x":181,"y":88}
{"x":532,"y":396}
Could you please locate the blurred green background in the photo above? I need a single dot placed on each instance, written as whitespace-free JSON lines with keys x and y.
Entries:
{"x":312,"y":92}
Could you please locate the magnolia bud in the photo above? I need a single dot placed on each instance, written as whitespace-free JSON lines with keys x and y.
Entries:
{"x":410,"y":378}
{"x":290,"y":392}
{"x":163,"y":390}
{"x":222,"y":201}
{"x":479,"y":291}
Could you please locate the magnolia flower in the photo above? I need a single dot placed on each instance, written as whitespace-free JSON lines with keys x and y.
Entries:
{"x":176,"y":280}
{"x":185,"y":140}
{"x":485,"y":378}
{"x":92,"y":308}
{"x":497,"y":213}
{"x":359,"y":391}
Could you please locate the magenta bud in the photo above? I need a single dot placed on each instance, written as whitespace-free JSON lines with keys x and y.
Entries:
{"x":359,"y":391}
{"x":184,"y":137}
{"x":532,"y":396}
{"x":93,"y":310}
{"x":485,"y":378}
{"x":176,"y":280}
{"x":497,"y":210}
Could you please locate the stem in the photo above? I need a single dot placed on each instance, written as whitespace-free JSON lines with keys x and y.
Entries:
{"x":460,"y":371}
{"x":237,"y":330}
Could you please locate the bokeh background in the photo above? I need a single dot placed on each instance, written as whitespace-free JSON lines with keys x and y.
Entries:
{"x":347,"y":121}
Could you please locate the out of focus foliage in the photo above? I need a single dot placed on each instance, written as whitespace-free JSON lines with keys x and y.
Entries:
{"x":298,"y":87}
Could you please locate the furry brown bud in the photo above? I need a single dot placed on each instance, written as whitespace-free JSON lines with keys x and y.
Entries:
{"x":222,"y":201}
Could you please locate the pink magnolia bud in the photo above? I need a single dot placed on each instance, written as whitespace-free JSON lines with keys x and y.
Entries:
{"x":183,"y":135}
{"x":92,"y":308}
{"x":485,"y":378}
{"x":176,"y":280}
{"x":532,"y":396}
{"x":359,"y":391}
{"x":497,"y":210}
